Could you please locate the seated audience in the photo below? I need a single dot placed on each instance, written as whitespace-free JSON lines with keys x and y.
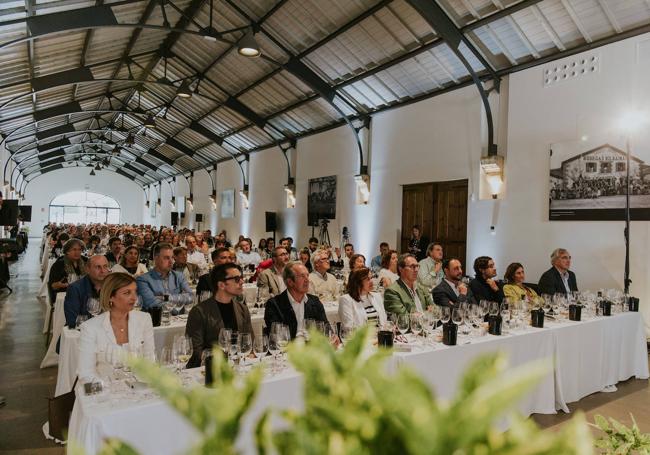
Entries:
{"x":87,"y":287}
{"x":190,"y":271}
{"x":66,"y":269}
{"x":558,"y":279}
{"x":360,"y":306}
{"x":451,"y":291}
{"x":417,"y":243}
{"x":431,"y":274}
{"x":313,"y":244}
{"x":223,"y":310}
{"x":375,"y":264}
{"x":219,"y":256}
{"x":130,"y":263}
{"x":195,"y":255}
{"x":388,"y":272}
{"x":116,"y":326}
{"x":357,"y":261}
{"x":321,"y":282}
{"x":115,"y":251}
{"x":406,"y":295}
{"x":294,"y":305}
{"x":515,"y":289}
{"x":246,"y":257}
{"x":287,"y":243}
{"x":271,"y":278}
{"x":483,"y":286}
{"x":161,"y":280}
{"x":305,"y":257}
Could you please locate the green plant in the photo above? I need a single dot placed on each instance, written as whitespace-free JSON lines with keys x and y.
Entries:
{"x":620,"y":439}
{"x":353,"y":406}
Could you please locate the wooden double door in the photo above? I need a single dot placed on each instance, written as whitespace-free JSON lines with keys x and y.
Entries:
{"x":440,"y":208}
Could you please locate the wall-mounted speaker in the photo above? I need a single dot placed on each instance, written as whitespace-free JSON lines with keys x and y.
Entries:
{"x":198,"y":217}
{"x":271,"y":222}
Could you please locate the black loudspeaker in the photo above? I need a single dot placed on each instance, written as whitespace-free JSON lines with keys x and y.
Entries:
{"x":174,"y":218}
{"x":271,"y":222}
{"x":9,"y":212}
{"x":198,"y":217}
{"x":25,"y":213}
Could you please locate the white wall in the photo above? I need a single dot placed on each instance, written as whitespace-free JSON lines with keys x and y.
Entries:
{"x":43,"y":189}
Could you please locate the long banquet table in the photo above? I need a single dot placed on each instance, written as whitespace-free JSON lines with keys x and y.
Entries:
{"x":163,"y":337}
{"x":588,"y":356}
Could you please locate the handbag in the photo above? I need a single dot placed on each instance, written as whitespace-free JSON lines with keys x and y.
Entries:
{"x":59,"y":410}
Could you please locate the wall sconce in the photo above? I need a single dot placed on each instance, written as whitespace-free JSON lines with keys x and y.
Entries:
{"x":158,"y":204}
{"x":244,"y":198}
{"x":492,"y":166}
{"x":213,"y":199}
{"x":363,"y":188}
{"x":190,"y":202}
{"x":172,"y":202}
{"x":148,"y":204}
{"x":290,"y":189}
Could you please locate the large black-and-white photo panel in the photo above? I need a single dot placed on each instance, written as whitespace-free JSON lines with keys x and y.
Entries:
{"x":321,"y":199}
{"x":588,"y":181}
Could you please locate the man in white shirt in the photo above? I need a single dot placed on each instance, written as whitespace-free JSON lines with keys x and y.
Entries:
{"x":271,"y":278}
{"x":321,"y":282}
{"x":194,"y":255}
{"x":430,"y":274}
{"x":245,"y":256}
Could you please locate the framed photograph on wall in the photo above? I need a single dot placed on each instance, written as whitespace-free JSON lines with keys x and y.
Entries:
{"x":321,"y":199}
{"x":227,"y":203}
{"x":588,"y":182}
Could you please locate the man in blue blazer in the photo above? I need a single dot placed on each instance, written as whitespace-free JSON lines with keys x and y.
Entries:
{"x":558,"y":279}
{"x":83,"y":289}
{"x":294,"y":305}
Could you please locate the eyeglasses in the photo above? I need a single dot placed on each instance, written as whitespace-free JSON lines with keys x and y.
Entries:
{"x":412,"y":266}
{"x":236,"y":278}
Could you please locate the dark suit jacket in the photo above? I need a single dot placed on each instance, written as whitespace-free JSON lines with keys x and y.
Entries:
{"x":76,"y":298}
{"x":482,"y":291}
{"x":551,"y":282}
{"x":204,"y":284}
{"x":204,"y":324}
{"x":444,"y":295}
{"x":279,"y":309}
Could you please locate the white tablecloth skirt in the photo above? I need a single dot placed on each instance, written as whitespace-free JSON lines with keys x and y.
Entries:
{"x":58,"y":321}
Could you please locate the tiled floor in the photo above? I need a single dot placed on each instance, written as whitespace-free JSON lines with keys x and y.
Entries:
{"x":26,"y":386}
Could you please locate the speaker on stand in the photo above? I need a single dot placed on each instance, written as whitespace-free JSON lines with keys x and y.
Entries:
{"x":271,"y":222}
{"x":199,"y":219}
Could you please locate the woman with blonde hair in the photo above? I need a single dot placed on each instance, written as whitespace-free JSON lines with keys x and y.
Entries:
{"x":117,"y":327}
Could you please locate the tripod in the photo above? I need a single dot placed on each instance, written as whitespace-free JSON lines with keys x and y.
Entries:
{"x":323,"y":234}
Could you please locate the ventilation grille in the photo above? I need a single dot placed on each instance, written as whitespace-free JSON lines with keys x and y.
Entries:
{"x":570,"y":70}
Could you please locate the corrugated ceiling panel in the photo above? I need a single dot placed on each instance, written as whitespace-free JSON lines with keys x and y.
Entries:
{"x":235,"y":72}
{"x":630,"y":13}
{"x":593,"y":18}
{"x":561,"y":22}
{"x":275,"y":93}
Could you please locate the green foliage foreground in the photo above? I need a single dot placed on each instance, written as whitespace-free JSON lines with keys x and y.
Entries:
{"x":352,"y":406}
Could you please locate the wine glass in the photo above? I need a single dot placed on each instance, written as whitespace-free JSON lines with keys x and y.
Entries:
{"x":403,"y":322}
{"x":274,"y":348}
{"x":117,"y":359}
{"x":417,"y":324}
{"x":93,"y":306}
{"x":261,"y":347}
{"x":225,"y":336}
{"x":245,"y":346}
{"x":344,"y":333}
{"x":179,"y":303}
{"x":484,"y":307}
{"x":167,"y":357}
{"x":457,"y":316}
{"x":284,"y":338}
{"x":493,"y":308}
{"x":445,"y":314}
{"x":182,"y":350}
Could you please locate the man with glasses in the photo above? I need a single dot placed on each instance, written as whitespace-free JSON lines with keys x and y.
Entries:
{"x":294,"y":305}
{"x":161,"y":281}
{"x":223,"y":310}
{"x":219,"y":256}
{"x":558,"y":279}
{"x":406,"y":295}
{"x":271,"y":278}
{"x":321,"y":282}
{"x":451,"y":291}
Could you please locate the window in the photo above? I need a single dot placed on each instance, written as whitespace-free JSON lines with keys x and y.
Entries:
{"x":620,"y":167}
{"x":84,"y":207}
{"x":605,"y":167}
{"x":591,"y":167}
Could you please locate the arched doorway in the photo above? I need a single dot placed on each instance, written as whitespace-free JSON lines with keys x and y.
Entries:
{"x":84,"y":207}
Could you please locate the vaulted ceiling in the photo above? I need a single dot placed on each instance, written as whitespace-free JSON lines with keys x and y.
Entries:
{"x":81,"y":79}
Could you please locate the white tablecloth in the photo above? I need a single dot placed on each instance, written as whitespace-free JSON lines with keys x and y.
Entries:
{"x":166,"y":432}
{"x":44,"y":295}
{"x":58,"y":321}
{"x":163,"y":336}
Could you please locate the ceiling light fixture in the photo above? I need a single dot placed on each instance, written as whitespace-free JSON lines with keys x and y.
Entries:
{"x":184,"y":90}
{"x":248,"y":46}
{"x":98,"y":167}
{"x":92,"y":172}
{"x":150,"y":121}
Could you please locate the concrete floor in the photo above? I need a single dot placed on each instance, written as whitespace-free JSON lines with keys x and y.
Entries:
{"x":26,"y":386}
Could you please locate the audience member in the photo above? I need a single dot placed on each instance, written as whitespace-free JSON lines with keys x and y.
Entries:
{"x":115,"y":251}
{"x":294,"y":305}
{"x":116,"y":326}
{"x":321,"y":282}
{"x":313,"y":244}
{"x":219,"y":256}
{"x":375,"y":264}
{"x":130,"y":263}
{"x":418,"y":243}
{"x":406,"y":295}
{"x":305,"y":258}
{"x":190,"y":271}
{"x":271,"y":278}
{"x":452,"y":291}
{"x":431,"y":274}
{"x":483,"y":286}
{"x":223,"y":310}
{"x":78,"y":293}
{"x":357,"y":261}
{"x":194,"y":254}
{"x":558,"y":279}
{"x":515,"y":289}
{"x":66,"y":269}
{"x":161,"y":280}
{"x":246,"y":257}
{"x":360,"y":306}
{"x":388,"y":272}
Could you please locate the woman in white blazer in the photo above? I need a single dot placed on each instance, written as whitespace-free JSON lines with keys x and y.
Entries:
{"x":130,"y":263}
{"x":359,"y":305}
{"x":116,"y":326}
